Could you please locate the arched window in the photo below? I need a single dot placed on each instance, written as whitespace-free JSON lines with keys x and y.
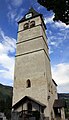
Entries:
{"x":32,"y":24}
{"x":28,"y":83}
{"x":26,"y":25}
{"x":29,"y":107}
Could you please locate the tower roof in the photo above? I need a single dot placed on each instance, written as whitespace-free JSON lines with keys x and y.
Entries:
{"x":34,"y":14}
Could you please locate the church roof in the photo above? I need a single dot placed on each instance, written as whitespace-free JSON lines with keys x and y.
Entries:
{"x":59,"y":103}
{"x":23,"y":100}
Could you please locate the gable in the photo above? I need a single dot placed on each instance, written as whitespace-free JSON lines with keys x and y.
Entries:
{"x":25,"y":99}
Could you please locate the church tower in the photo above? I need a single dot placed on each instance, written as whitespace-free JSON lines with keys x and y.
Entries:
{"x":32,"y":78}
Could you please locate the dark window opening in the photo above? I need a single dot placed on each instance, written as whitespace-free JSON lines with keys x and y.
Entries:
{"x":29,"y":106}
{"x":26,"y":26}
{"x":32,"y":24}
{"x":28,"y":83}
{"x":57,"y":112}
{"x":1,"y":118}
{"x":42,"y":110}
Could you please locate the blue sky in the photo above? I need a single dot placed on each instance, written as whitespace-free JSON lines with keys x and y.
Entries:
{"x":57,"y":33}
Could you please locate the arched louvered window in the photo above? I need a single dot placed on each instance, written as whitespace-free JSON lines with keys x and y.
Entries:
{"x":32,"y":24}
{"x":26,"y":26}
{"x":28,"y":83}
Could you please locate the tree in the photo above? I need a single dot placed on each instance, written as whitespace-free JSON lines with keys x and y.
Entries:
{"x":8,"y":106}
{"x":2,"y":105}
{"x":5,"y":106}
{"x":59,"y":7}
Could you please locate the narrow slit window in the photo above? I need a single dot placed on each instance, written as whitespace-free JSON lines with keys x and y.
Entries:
{"x":28,"y":83}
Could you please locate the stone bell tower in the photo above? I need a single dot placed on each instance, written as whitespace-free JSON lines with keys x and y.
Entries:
{"x":32,"y":64}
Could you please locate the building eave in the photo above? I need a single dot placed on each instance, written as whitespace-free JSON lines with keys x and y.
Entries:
{"x":23,"y":100}
{"x":54,"y":82}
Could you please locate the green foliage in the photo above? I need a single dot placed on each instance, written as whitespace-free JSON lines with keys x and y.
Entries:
{"x":67,"y":108}
{"x":65,"y":96}
{"x":6,"y":100}
{"x":59,"y":7}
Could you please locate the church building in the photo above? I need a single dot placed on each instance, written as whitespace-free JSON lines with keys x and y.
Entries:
{"x":34,"y":90}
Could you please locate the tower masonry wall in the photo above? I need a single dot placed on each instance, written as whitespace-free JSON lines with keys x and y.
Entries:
{"x":35,"y":44}
{"x":30,"y":66}
{"x":32,"y":63}
{"x":30,"y":33}
{"x":36,"y":19}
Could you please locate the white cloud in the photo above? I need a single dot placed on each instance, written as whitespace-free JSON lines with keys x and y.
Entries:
{"x":7,"y":46}
{"x":49,"y":19}
{"x":53,"y":43}
{"x":57,"y":35}
{"x":63,"y":88}
{"x":20,"y":15}
{"x":1,"y":48}
{"x":14,"y":15}
{"x":16,"y":3}
{"x":39,"y":7}
{"x":8,"y":66}
{"x":11,"y":15}
{"x":58,"y":24}
{"x":61,"y":24}
{"x":60,"y":73}
{"x":50,"y":50}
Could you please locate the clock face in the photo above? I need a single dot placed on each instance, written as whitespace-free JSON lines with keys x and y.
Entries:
{"x":28,"y":15}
